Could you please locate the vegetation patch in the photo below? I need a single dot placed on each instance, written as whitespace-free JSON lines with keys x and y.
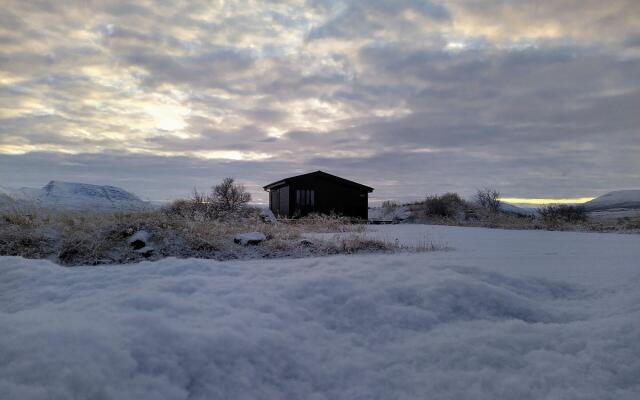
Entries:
{"x":203,"y":226}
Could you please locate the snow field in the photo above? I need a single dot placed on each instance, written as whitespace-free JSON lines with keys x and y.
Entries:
{"x":503,"y":316}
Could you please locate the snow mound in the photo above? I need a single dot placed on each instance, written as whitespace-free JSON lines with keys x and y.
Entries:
{"x":267,"y":216}
{"x":79,"y":196}
{"x":360,"y":327}
{"x":621,"y":199}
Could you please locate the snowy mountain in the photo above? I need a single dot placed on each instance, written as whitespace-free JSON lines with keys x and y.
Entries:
{"x":77,"y":196}
{"x":618,"y":200}
{"x":511,"y":209}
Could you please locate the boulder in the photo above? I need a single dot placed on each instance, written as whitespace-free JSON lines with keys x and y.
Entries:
{"x":249,"y":238}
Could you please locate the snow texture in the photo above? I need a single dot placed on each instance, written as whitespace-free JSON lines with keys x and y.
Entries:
{"x":507,"y":315}
{"x":249,"y":238}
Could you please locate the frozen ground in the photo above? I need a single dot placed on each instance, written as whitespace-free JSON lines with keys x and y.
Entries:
{"x":506,"y":315}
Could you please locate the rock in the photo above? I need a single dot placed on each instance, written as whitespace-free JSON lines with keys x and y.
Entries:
{"x":140,"y":242}
{"x":139,"y":239}
{"x":250,"y":238}
{"x":306,"y":243}
{"x":267,"y":217}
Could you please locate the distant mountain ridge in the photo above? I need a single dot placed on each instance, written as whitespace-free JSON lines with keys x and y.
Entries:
{"x":78,"y":196}
{"x":616,"y":200}
{"x":513,"y":209}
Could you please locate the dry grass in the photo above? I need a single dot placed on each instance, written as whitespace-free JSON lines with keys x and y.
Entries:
{"x":322,"y":223}
{"x":358,"y":243}
{"x":82,"y":238}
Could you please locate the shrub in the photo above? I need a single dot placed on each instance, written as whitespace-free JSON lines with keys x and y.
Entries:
{"x":488,"y":199}
{"x":389,"y":205}
{"x":447,"y":205}
{"x":229,"y":197}
{"x":225,"y":200}
{"x":557,"y":213}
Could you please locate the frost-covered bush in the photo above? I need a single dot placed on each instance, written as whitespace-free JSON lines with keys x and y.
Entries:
{"x":448,"y":205}
{"x":388,"y":206}
{"x":229,"y":197}
{"x":226,"y":200}
{"x":554,"y":214}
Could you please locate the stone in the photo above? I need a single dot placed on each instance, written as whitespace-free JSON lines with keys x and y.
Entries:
{"x":249,"y":238}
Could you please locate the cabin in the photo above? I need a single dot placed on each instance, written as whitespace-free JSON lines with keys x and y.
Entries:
{"x":318,"y":192}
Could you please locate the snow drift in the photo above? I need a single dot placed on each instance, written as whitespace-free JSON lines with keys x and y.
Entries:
{"x":360,"y":327}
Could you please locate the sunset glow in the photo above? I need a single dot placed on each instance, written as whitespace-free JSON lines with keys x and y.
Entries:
{"x":518,"y":200}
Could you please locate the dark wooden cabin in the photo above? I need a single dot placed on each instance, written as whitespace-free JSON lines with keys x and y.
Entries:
{"x":318,"y":192}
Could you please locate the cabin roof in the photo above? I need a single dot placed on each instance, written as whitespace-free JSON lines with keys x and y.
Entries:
{"x":321,"y":174}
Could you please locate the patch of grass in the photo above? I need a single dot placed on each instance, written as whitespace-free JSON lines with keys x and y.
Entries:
{"x":352,"y":243}
{"x":81,"y":238}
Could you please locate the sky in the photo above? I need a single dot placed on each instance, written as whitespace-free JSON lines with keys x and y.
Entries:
{"x":537,"y":99}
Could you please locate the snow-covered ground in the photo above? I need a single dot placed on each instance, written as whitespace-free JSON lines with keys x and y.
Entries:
{"x":505,"y":315}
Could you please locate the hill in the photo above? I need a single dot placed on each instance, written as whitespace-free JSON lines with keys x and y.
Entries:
{"x":76,"y":196}
{"x":617,"y":200}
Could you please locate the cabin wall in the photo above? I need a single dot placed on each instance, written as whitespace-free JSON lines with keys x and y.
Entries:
{"x":279,"y":201}
{"x":329,"y":197}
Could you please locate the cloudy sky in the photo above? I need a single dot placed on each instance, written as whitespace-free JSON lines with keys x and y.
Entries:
{"x":539,"y":99}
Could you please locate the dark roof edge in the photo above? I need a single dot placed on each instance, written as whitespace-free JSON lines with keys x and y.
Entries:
{"x":322,"y":173}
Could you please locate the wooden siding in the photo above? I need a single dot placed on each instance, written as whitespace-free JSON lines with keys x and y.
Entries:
{"x":329,"y":196}
{"x":279,"y":201}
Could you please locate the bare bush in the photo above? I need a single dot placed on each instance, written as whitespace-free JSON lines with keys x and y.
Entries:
{"x":229,"y":197}
{"x":226,"y":200}
{"x":488,"y":199}
{"x":554,"y":214}
{"x":448,"y":205}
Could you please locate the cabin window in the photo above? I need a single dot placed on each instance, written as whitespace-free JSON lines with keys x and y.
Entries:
{"x":306,"y":197}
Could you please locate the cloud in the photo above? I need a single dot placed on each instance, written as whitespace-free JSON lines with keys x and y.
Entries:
{"x":533,"y":99}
